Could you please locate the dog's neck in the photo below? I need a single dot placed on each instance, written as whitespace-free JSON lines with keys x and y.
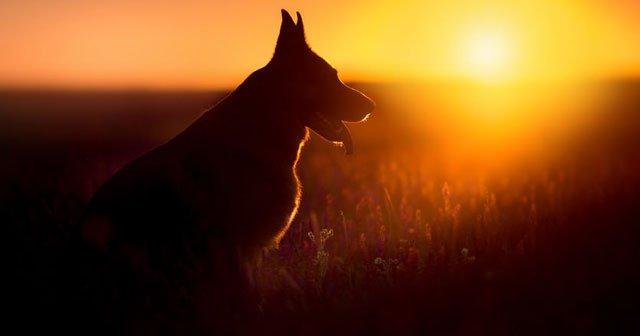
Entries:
{"x":254,"y":120}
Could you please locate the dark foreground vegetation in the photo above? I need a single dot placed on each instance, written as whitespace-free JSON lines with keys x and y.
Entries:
{"x":403,"y":237}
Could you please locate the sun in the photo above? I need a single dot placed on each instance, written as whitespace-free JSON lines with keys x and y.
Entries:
{"x":486,"y":56}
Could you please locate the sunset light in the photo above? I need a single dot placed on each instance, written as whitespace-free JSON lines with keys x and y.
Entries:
{"x":306,"y":167}
{"x":487,"y":56}
{"x":206,"y":44}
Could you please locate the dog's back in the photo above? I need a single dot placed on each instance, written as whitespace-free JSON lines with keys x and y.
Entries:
{"x":182,"y":216}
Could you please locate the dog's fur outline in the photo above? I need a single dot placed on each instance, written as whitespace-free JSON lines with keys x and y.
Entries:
{"x":227,"y":185}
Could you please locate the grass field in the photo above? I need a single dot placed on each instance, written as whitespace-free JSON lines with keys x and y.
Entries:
{"x":438,"y":223}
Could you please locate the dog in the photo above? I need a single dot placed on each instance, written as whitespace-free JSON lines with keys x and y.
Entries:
{"x":184,"y":216}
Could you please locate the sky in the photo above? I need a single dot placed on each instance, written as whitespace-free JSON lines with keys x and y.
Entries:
{"x":216,"y":44}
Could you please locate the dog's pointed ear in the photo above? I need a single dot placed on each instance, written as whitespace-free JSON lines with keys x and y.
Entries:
{"x":287,"y":28}
{"x":300,"y":27}
{"x":287,"y":34}
{"x":287,"y":22}
{"x":291,"y":42}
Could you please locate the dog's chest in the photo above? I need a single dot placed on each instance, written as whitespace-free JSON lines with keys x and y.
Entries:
{"x":248,"y":200}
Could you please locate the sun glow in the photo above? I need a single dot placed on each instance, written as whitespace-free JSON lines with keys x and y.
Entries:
{"x":207,"y":44}
{"x":487,"y":56}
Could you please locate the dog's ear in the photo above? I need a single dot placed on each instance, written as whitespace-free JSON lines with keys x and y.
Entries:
{"x":300,"y":27}
{"x":287,"y":26}
{"x":287,"y":32}
{"x":291,"y":39}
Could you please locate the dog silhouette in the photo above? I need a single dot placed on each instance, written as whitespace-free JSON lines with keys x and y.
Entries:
{"x":180,"y":220}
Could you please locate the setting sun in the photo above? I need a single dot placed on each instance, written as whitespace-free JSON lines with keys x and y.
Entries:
{"x":486,"y":56}
{"x":202,"y":45}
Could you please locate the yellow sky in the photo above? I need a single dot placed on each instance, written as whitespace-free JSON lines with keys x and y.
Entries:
{"x":203,"y":44}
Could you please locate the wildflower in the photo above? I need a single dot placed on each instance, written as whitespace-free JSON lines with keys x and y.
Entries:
{"x":363,"y":243}
{"x":466,"y":258}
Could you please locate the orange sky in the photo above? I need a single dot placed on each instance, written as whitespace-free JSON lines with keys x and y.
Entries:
{"x":203,"y":44}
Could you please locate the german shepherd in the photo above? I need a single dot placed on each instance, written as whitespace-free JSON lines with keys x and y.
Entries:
{"x":184,"y":216}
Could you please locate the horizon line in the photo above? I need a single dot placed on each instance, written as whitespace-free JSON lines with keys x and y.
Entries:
{"x":198,"y":88}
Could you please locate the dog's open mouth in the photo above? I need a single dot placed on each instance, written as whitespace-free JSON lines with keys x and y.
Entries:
{"x":332,"y":130}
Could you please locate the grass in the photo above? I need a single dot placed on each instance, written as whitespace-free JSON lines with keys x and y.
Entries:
{"x":406,"y":250}
{"x":396,"y":239}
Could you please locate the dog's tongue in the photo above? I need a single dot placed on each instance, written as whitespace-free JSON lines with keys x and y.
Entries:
{"x":345,"y":137}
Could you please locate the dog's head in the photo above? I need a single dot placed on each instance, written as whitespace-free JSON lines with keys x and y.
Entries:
{"x":312,"y":87}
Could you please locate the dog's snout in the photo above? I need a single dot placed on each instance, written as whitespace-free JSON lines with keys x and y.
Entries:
{"x":365,"y":102}
{"x":367,"y":105}
{"x":355,"y":105}
{"x":371,"y":104}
